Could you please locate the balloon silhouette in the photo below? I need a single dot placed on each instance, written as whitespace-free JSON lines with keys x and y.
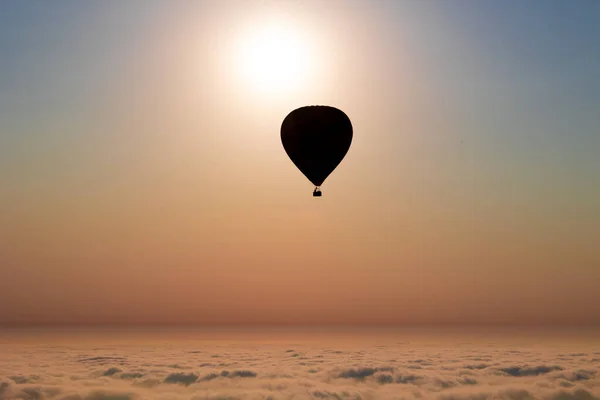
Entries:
{"x":316,"y":138}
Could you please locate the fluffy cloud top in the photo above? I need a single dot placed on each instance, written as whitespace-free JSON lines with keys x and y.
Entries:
{"x":244,"y":369}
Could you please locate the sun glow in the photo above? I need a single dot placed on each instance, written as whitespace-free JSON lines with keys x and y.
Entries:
{"x":274,"y":57}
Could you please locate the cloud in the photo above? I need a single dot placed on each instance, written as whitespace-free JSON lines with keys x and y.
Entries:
{"x":579,"y":394}
{"x":210,"y":377}
{"x":186,"y":379}
{"x":385,"y":378}
{"x":131,"y":375}
{"x":24,"y":379}
{"x":326,"y":395}
{"x":530,"y":371}
{"x":362,"y":373}
{"x":101,"y":395}
{"x":148,"y":383}
{"x":247,"y":370}
{"x":103,"y":360}
{"x":579,"y":375}
{"x":111,"y":371}
{"x":243,"y":374}
{"x":4,"y":386}
{"x":467,"y":381}
{"x":407,"y":378}
{"x":28,"y":392}
{"x":476,"y":366}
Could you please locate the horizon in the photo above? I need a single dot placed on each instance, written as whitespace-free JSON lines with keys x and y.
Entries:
{"x":316,"y":326}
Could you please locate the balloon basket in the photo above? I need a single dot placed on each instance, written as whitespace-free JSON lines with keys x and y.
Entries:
{"x":317,"y":192}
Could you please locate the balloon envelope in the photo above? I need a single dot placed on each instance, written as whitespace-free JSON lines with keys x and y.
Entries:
{"x":316,"y":138}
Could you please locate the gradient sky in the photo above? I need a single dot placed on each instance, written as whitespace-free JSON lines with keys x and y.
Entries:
{"x":143,"y":181}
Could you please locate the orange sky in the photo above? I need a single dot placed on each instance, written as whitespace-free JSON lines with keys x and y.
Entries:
{"x":144,"y":182}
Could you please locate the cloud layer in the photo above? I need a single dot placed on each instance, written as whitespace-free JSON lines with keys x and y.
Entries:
{"x":253,"y":369}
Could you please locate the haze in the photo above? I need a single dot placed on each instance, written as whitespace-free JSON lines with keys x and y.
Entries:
{"x":143,"y":180}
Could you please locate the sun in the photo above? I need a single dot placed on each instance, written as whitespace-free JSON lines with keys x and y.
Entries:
{"x":274,"y":57}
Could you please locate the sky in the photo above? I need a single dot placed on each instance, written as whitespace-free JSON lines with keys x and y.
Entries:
{"x":143,"y":179}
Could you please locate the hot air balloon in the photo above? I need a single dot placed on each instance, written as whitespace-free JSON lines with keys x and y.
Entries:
{"x":316,"y":138}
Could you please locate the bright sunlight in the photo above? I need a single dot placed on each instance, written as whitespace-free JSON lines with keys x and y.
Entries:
{"x":274,"y":57}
